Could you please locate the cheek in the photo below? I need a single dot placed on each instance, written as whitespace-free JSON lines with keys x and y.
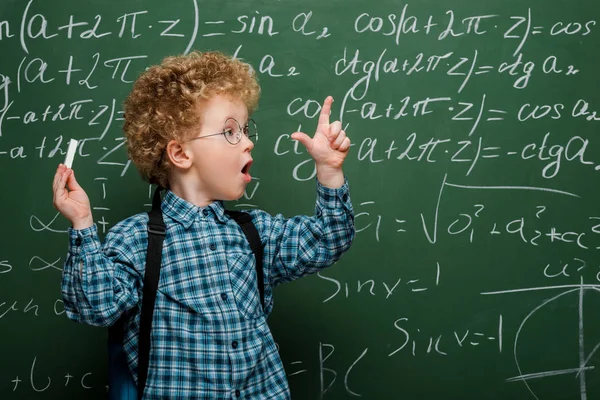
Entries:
{"x":224,"y":167}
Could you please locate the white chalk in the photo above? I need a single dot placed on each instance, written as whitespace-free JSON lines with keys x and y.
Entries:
{"x":71,"y":152}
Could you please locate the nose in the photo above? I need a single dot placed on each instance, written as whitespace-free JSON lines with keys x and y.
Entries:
{"x":248,"y":143}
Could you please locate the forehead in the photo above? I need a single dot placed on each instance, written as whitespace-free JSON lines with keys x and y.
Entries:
{"x":217,"y":109}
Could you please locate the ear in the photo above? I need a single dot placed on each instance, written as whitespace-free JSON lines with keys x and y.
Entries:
{"x":178,"y":155}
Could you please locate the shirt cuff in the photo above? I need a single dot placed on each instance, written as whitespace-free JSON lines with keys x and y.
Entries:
{"x":329,"y":198}
{"x":83,"y":240}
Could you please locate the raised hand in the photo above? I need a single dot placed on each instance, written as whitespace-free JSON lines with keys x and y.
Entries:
{"x":70,"y":198}
{"x":329,"y":145}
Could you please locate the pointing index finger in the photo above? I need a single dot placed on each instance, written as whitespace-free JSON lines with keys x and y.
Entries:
{"x":325,"y":111}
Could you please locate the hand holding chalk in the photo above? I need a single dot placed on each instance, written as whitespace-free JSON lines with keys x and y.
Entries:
{"x":70,"y":198}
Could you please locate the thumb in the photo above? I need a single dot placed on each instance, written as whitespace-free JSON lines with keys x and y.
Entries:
{"x":72,"y":182}
{"x":303,"y":138}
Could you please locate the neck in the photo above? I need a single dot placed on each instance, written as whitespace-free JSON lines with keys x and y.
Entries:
{"x":190,"y":192}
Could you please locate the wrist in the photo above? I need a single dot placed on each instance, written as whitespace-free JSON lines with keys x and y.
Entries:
{"x":82,"y":223}
{"x":330,"y":177}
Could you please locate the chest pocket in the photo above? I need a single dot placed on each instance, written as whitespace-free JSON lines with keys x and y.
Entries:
{"x":242,"y":276}
{"x":190,"y":284}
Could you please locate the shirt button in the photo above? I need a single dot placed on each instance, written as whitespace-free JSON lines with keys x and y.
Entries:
{"x":234,"y":344}
{"x":237,"y":393}
{"x":205,"y":212}
{"x":78,"y":241}
{"x":224,"y":296}
{"x":212,"y":246}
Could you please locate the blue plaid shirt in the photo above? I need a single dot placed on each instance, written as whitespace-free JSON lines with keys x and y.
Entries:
{"x":210,"y":337}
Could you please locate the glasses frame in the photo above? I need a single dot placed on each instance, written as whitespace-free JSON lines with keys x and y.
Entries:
{"x":239,"y":133}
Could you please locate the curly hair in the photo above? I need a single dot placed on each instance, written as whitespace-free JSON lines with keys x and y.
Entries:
{"x":163,"y":104}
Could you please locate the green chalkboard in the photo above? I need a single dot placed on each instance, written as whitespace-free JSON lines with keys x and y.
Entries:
{"x":474,"y":172}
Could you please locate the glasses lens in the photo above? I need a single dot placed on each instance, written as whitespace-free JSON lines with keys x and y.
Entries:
{"x":232,"y":131}
{"x":251,"y":131}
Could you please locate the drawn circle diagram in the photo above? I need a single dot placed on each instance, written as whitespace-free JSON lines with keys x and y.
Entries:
{"x":553,"y":334}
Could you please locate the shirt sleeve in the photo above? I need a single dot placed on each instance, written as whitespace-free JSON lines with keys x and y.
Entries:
{"x":99,"y":283}
{"x":304,"y":245}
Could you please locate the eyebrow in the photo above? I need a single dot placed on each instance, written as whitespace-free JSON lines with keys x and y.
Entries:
{"x":238,"y":120}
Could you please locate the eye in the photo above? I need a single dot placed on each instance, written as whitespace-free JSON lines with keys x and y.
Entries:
{"x":229,"y":133}
{"x":246,"y":130}
{"x":231,"y":129}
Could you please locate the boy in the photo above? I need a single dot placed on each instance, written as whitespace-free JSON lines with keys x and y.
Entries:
{"x":187,"y":129}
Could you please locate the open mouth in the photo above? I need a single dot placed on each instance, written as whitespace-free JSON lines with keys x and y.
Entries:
{"x":246,"y":171}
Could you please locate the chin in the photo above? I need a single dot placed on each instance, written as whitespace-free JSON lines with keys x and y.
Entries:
{"x":239,"y":196}
{"x":233,"y":196}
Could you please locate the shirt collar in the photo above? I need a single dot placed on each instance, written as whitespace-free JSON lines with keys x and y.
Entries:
{"x":186,"y":213}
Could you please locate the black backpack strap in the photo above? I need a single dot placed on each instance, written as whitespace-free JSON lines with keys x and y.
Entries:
{"x":156,"y":234}
{"x":244,"y":220}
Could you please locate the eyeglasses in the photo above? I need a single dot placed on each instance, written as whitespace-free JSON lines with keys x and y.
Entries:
{"x":232,"y":130}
